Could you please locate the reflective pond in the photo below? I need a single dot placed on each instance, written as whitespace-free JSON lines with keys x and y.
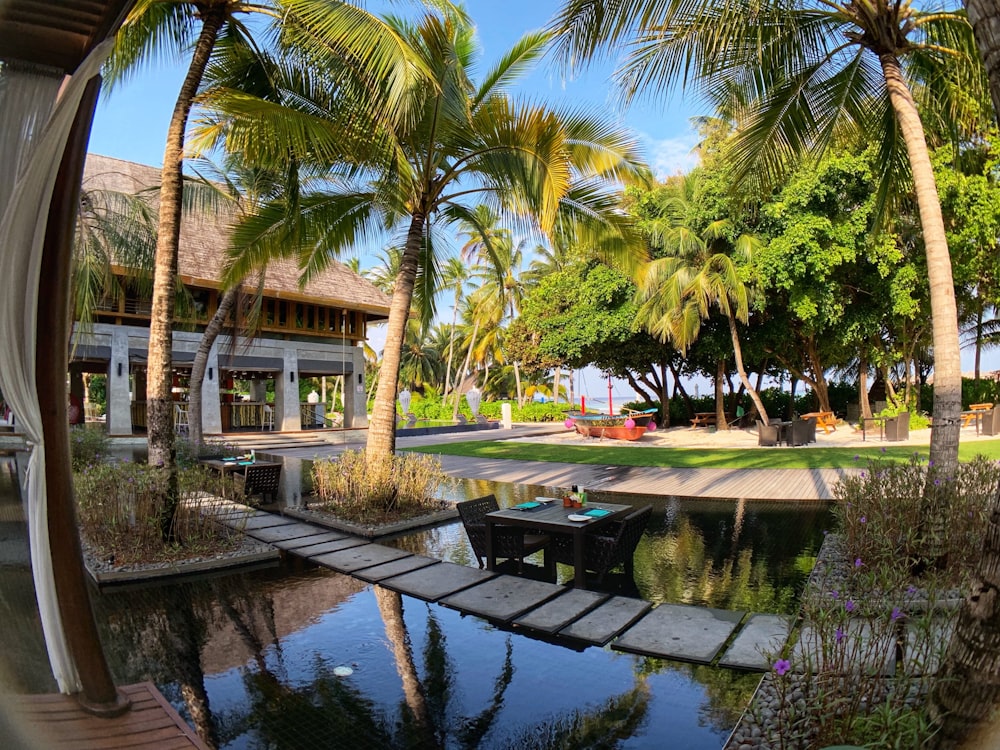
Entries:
{"x":300,"y":657}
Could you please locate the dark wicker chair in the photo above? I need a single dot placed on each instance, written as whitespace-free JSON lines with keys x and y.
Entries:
{"x":802,"y":431}
{"x":991,"y":422}
{"x":898,"y":427}
{"x":768,"y":434}
{"x":258,"y":480}
{"x":608,"y":546}
{"x":511,"y":544}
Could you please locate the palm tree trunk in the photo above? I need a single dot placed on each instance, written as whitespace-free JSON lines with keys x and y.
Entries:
{"x":556,"y":378}
{"x":390,"y":607}
{"x":967,"y":688}
{"x":159,"y":414}
{"x":720,"y":399}
{"x":459,"y":377}
{"x":212,"y":331}
{"x":985,"y":20}
{"x":864,"y":403}
{"x":451,"y":348}
{"x":517,"y":381}
{"x":944,"y":313}
{"x":738,"y":355}
{"x":381,"y":444}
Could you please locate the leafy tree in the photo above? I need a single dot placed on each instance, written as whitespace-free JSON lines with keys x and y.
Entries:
{"x":798,"y":74}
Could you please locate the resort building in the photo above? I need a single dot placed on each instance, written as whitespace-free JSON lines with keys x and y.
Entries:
{"x":312,"y":330}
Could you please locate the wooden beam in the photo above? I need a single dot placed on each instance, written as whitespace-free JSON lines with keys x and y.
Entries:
{"x":99,"y":695}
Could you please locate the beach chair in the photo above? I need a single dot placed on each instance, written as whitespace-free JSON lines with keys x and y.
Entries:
{"x":512,"y":544}
{"x":608,"y":546}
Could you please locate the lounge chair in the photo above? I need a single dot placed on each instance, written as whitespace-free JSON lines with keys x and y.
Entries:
{"x":768,"y":434}
{"x":607,"y":546}
{"x":509,"y":543}
{"x":802,"y":431}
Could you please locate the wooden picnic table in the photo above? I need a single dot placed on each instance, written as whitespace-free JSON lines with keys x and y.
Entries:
{"x":703,"y":419}
{"x":824,"y":419}
{"x":973,"y":414}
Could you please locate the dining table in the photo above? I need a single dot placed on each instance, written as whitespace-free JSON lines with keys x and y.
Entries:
{"x":549,"y":516}
{"x":234,"y":465}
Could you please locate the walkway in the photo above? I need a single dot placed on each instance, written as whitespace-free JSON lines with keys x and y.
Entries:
{"x":751,"y":484}
{"x":574,"y":617}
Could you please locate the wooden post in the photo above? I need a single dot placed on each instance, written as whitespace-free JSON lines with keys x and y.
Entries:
{"x":99,"y":695}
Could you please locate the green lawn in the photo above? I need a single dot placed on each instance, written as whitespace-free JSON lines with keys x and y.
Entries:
{"x":805,"y":458}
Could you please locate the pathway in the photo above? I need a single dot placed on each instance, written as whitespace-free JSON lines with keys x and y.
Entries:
{"x":567,"y":615}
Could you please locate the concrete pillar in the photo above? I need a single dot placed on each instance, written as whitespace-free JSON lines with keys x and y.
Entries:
{"x":258,"y":391}
{"x":506,"y":416}
{"x":355,"y":405}
{"x":286,"y":394}
{"x":290,"y":482}
{"x":211,"y":408}
{"x":119,"y":419}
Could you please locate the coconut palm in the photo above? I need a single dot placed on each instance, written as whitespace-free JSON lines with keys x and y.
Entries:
{"x":466,"y":143}
{"x":799,"y":74}
{"x":158,"y":28}
{"x":698,"y":271}
{"x":455,"y":275}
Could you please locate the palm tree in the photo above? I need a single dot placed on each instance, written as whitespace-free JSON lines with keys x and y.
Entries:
{"x":801,"y":73}
{"x":156,"y":27}
{"x":454,"y":275}
{"x":982,"y":16}
{"x":465,"y":142}
{"x":698,"y":271}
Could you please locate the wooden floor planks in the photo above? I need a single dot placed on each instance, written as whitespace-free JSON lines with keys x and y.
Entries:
{"x":60,"y":723}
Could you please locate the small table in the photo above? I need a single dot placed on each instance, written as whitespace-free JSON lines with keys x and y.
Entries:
{"x":233,"y":467}
{"x":552,"y":517}
{"x":824,"y":419}
{"x":975,"y":414}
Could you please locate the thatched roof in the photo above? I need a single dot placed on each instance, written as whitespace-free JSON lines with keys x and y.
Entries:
{"x":204,"y":239}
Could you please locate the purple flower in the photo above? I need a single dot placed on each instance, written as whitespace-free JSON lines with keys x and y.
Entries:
{"x":856,"y":456}
{"x":839,"y":635}
{"x":849,"y":605}
{"x":883,"y":449}
{"x":863,"y":519}
{"x":937,"y":482}
{"x":858,"y":563}
{"x":782,"y":666}
{"x":911,"y":589}
{"x":863,"y":474}
{"x":896,"y":614}
{"x":930,"y":463}
{"x":834,"y":594}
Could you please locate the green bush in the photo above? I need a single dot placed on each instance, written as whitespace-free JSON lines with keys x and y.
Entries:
{"x":88,"y":445}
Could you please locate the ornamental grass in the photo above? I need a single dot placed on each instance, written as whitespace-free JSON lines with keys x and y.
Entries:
{"x":873,"y":631}
{"x":120,"y":503}
{"x":404,"y":487}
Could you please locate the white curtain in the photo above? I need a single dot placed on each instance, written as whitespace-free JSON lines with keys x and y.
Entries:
{"x":34,"y":138}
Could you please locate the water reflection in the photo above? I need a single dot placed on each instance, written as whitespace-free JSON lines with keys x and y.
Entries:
{"x":252,"y":660}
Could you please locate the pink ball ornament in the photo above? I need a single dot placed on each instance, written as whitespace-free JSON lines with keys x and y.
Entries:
{"x":629,"y":424}
{"x":569,"y":424}
{"x":651,"y":427}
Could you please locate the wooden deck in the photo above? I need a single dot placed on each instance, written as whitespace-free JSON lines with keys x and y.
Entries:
{"x":58,"y":723}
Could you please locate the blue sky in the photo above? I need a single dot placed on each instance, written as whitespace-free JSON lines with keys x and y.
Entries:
{"x":131,"y":122}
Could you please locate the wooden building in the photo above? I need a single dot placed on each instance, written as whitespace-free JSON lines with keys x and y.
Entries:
{"x":310,"y":330}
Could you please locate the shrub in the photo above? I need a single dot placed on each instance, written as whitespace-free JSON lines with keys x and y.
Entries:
{"x":88,"y":445}
{"x":119,"y":507}
{"x":403,"y":487}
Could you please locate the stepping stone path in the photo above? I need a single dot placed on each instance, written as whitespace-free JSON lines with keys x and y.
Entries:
{"x":564,"y":614}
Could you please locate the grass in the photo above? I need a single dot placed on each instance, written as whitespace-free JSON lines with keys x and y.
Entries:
{"x":701,"y":458}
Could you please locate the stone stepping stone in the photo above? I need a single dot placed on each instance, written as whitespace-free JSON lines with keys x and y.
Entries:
{"x":502,"y":598}
{"x":561,"y":611}
{"x":360,"y":557}
{"x":762,"y":634}
{"x":872,"y":650}
{"x":926,"y":643}
{"x":284,"y":532}
{"x":677,"y":631}
{"x":293,"y":545}
{"x":437,"y":581}
{"x":335,"y":545}
{"x":395,"y":568}
{"x":609,"y":619}
{"x":266,"y":521}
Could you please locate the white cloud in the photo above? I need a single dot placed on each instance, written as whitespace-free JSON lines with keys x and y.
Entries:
{"x":671,"y":156}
